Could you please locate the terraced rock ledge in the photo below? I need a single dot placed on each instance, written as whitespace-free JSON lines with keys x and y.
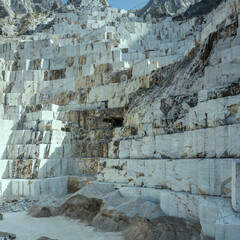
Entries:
{"x":136,"y":116}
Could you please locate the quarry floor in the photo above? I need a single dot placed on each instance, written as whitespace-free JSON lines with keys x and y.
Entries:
{"x":60,"y":228}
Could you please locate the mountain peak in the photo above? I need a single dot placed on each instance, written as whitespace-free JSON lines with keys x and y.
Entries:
{"x":159,"y":8}
{"x":86,"y":3}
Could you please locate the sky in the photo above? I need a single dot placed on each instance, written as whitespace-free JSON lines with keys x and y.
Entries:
{"x":125,"y":4}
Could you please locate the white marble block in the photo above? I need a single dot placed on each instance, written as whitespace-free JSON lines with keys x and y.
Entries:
{"x":236,"y":185}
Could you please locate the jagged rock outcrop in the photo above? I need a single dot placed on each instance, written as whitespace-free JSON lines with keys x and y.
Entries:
{"x":186,"y":8}
{"x":103,"y":207}
{"x":24,"y":16}
{"x":202,"y":7}
{"x":3,"y":10}
{"x":85,"y":3}
{"x":160,"y":8}
{"x":13,"y":7}
{"x":165,"y":228}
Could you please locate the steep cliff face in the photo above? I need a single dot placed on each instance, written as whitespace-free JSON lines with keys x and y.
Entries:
{"x":21,"y":16}
{"x":159,"y":8}
{"x":3,"y":10}
{"x":11,"y":7}
{"x":188,"y":8}
{"x":201,"y":7}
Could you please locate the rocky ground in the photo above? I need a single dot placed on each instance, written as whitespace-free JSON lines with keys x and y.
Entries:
{"x":26,"y":227}
{"x":20,"y":204}
{"x":16,"y":204}
{"x":103,"y":207}
{"x":6,"y":235}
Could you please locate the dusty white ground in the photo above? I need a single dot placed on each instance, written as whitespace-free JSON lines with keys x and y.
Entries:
{"x":61,"y":228}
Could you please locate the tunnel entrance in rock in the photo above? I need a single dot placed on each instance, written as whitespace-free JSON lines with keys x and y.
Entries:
{"x":115,"y":121}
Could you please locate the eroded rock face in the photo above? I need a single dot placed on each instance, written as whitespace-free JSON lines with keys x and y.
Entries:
{"x":11,"y":7}
{"x":187,"y":8}
{"x":37,"y":211}
{"x":165,"y":228}
{"x":81,"y":207}
{"x":3,"y":10}
{"x":24,"y":16}
{"x":111,"y":220}
{"x":201,"y":7}
{"x":159,"y":8}
{"x":84,"y":3}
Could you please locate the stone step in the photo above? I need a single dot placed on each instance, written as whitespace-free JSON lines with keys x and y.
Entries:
{"x":29,"y":108}
{"x":44,"y":125}
{"x":218,"y":219}
{"x":16,"y":113}
{"x":23,"y":75}
{"x":34,"y":187}
{"x":197,"y":176}
{"x":205,"y":114}
{"x":36,"y":151}
{"x":231,"y":55}
{"x":42,"y":116}
{"x":220,"y":111}
{"x":19,"y":87}
{"x":26,"y":99}
{"x":62,"y":48}
{"x":156,"y":49}
{"x":116,"y":185}
{"x":18,"y":137}
{"x":11,"y":109}
{"x":14,"y":46}
{"x":33,"y":168}
{"x":90,"y":149}
{"x":83,"y":166}
{"x":221,"y":91}
{"x":34,"y":82}
{"x":214,"y":213}
{"x":231,"y":69}
{"x":229,"y":231}
{"x":32,"y":88}
{"x":223,"y":73}
{"x":58,"y":63}
{"x":212,"y":76}
{"x":12,"y":116}
{"x":216,"y":142}
{"x":238,"y":32}
{"x":17,"y":99}
{"x":8,"y":124}
{"x":3,"y":86}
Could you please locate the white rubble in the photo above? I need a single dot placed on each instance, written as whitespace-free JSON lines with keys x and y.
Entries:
{"x":29,"y":228}
{"x":113,"y":200}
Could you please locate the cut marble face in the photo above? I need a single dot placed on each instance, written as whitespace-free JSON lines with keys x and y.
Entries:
{"x":149,"y":106}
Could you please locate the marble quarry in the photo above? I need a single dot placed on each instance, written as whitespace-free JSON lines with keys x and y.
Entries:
{"x":148,"y":105}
